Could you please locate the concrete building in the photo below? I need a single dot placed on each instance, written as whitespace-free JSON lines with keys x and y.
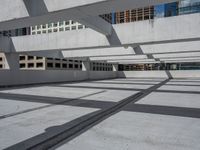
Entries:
{"x":130,"y":80}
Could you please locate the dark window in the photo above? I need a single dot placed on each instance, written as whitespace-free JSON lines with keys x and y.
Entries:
{"x":50,"y":65}
{"x":76,"y":66}
{"x":39,"y":65}
{"x":1,"y":66}
{"x":22,"y":57}
{"x":22,"y":65}
{"x":70,"y":65}
{"x":49,"y":58}
{"x":30,"y":57}
{"x":38,"y":58}
{"x":73,"y":27}
{"x":30,"y":65}
{"x":64,"y":65}
{"x":1,"y":58}
{"x":58,"y":65}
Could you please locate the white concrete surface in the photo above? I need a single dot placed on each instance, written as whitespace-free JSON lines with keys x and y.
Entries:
{"x":19,"y":13}
{"x":160,"y":74}
{"x":140,"y":131}
{"x":9,"y":77}
{"x":19,"y":128}
{"x":145,"y":32}
{"x":150,"y":129}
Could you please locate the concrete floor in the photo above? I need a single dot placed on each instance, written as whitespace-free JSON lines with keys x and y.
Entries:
{"x":166,"y":118}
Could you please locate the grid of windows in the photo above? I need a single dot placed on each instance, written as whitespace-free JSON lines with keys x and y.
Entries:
{"x":99,"y":66}
{"x":42,"y":63}
{"x":56,"y":27}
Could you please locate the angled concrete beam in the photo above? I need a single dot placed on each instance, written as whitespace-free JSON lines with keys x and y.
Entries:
{"x":24,"y":13}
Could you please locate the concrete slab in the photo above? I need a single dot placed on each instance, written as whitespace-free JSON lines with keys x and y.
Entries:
{"x":107,"y":85}
{"x":53,"y":91}
{"x":19,"y":128}
{"x":111,"y":95}
{"x":175,"y":88}
{"x":139,"y":131}
{"x":171,"y":99}
{"x":12,"y":106}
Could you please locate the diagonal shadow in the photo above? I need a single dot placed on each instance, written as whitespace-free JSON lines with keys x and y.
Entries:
{"x":50,"y":101}
{"x":164,"y":110}
{"x":56,"y":134}
{"x":96,"y":87}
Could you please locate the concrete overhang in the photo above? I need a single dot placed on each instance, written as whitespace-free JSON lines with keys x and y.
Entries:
{"x":24,"y":13}
{"x":146,"y":33}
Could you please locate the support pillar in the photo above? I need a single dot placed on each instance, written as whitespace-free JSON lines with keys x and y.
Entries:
{"x":12,"y":61}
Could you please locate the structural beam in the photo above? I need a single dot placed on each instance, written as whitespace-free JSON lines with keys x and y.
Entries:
{"x":130,"y":57}
{"x":99,"y":52}
{"x":166,"y":30}
{"x":24,"y":13}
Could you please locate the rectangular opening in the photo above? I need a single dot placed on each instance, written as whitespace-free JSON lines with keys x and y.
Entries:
{"x":49,"y":58}
{"x":30,"y":65}
{"x":1,"y":66}
{"x":76,"y":66}
{"x":22,"y":65}
{"x":64,"y":65}
{"x":50,"y":65}
{"x":70,"y":65}
{"x":80,"y":27}
{"x":67,"y":28}
{"x":30,"y":57}
{"x":57,"y":65}
{"x":67,"y":23}
{"x":38,"y":58}
{"x":1,"y":59}
{"x":73,"y":27}
{"x":39,"y":65}
{"x":22,"y":57}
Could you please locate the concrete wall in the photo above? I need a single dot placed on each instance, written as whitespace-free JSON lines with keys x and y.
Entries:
{"x":95,"y":75}
{"x":160,"y":74}
{"x":8,"y":77}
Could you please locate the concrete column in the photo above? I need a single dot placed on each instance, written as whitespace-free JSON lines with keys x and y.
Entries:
{"x":115,"y":67}
{"x":12,"y":61}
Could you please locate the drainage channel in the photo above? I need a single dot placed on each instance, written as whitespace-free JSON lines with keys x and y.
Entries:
{"x":87,"y":123}
{"x":42,"y":107}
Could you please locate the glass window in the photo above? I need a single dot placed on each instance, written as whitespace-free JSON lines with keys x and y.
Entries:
{"x":67,"y":23}
{"x":73,"y":27}
{"x":55,"y":24}
{"x":49,"y":25}
{"x":67,"y":28}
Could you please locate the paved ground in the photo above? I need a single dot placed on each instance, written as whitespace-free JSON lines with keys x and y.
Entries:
{"x":160,"y":115}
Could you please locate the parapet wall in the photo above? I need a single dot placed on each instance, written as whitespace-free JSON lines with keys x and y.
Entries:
{"x":160,"y":74}
{"x":23,"y":77}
